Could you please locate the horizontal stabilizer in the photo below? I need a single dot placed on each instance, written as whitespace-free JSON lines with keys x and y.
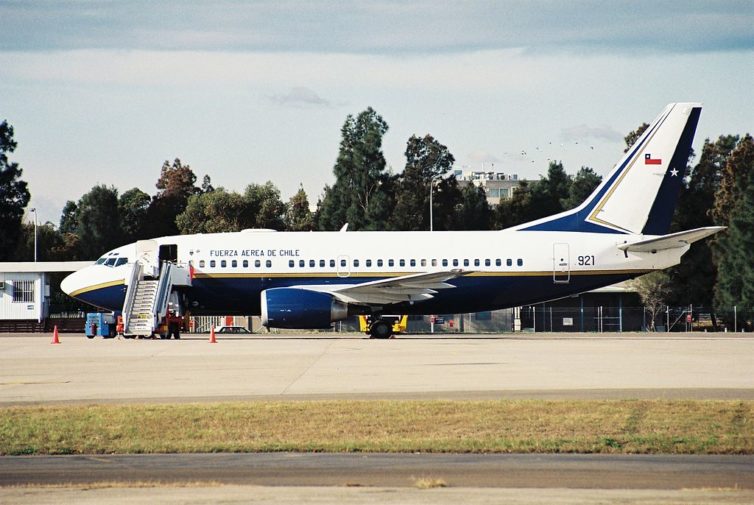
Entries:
{"x":672,"y":241}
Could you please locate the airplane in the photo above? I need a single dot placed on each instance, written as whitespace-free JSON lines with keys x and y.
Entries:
{"x":312,"y":279}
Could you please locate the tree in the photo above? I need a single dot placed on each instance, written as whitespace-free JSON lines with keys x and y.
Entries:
{"x":51,"y":244}
{"x":69,"y":221}
{"x":207,"y":186}
{"x":582,"y":185}
{"x":133,"y":208}
{"x":360,"y":195}
{"x":298,"y":215}
{"x":99,"y":222}
{"x":264,"y":203}
{"x":215,"y":212}
{"x":653,"y":289}
{"x":516,"y":209}
{"x":223,"y":211}
{"x":175,"y":185}
{"x":550,"y":191}
{"x":14,"y":194}
{"x":694,"y":279}
{"x":632,"y":137}
{"x":474,"y":211}
{"x":735,"y":281}
{"x":426,"y":160}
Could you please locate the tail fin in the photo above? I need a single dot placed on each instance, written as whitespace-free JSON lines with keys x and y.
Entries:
{"x":640,"y":193}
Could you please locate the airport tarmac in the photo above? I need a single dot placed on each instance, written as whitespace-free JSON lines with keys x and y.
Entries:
{"x":295,"y":367}
{"x":706,"y":366}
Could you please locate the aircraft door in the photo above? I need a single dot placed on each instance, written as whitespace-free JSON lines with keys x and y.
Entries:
{"x":147,"y":253}
{"x":343,"y":265}
{"x":561,"y":263}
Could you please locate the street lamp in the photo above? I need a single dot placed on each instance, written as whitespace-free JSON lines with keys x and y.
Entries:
{"x":35,"y":234}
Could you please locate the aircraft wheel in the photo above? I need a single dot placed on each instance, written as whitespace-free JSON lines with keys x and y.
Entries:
{"x":381,"y":329}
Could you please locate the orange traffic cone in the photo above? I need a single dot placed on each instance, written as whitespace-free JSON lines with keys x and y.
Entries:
{"x":212,"y":338}
{"x":55,"y":337}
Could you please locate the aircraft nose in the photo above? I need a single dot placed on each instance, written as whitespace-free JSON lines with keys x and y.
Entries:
{"x":73,"y":283}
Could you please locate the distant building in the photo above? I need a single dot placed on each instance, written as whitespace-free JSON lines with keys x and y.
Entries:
{"x":497,"y":185}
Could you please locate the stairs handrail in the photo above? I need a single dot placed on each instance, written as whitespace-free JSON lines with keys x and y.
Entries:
{"x":133,"y":283}
{"x":163,"y":291}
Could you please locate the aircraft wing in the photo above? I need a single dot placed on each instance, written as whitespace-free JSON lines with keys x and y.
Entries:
{"x":406,"y":288}
{"x":671,"y":241}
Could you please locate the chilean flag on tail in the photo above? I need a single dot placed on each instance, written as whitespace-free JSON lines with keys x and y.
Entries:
{"x":648,"y":160}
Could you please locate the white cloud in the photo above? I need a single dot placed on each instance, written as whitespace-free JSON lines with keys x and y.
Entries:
{"x":300,"y":97}
{"x":584,"y":132}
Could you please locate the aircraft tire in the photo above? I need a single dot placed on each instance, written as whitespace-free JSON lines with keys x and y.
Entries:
{"x":380,"y":329}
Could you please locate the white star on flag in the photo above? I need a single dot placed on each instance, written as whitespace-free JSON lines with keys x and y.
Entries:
{"x":674,"y":172}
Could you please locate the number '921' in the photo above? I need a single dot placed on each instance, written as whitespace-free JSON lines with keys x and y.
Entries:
{"x":585,"y":260}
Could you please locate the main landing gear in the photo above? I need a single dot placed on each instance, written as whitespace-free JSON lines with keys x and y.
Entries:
{"x":381,"y":328}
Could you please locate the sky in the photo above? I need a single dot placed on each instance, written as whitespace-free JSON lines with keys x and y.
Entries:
{"x":102,"y":92}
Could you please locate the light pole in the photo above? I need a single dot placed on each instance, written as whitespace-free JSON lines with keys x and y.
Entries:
{"x":35,"y":234}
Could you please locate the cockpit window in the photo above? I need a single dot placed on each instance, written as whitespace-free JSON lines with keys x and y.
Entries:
{"x":110,"y":262}
{"x":121,"y":261}
{"x":101,"y":260}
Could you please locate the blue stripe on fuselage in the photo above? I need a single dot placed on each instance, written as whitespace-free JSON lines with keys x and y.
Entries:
{"x":240,"y":295}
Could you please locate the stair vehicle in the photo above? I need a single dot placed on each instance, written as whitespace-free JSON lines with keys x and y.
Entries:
{"x":153,"y":303}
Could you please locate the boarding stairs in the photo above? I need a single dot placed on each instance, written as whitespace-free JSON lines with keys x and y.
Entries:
{"x":146,"y":301}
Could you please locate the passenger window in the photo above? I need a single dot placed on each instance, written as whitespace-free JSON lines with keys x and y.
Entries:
{"x":487,"y":262}
{"x":201,"y":263}
{"x":291,"y":263}
{"x":369,"y":263}
{"x":257,"y":263}
{"x":413,"y":263}
{"x":455,"y":262}
{"x":246,"y":263}
{"x":509,"y":262}
{"x":322,"y":263}
{"x":212,"y":263}
{"x":476,"y":262}
{"x":268,"y":263}
{"x":520,"y":262}
{"x":424,"y":262}
{"x":402,"y":263}
{"x":434,"y":262}
{"x":332,"y":263}
{"x":498,"y":262}
{"x":223,"y":263}
{"x":343,"y":263}
{"x":390,"y":263}
{"x":466,"y":262}
{"x":301,"y":263}
{"x":444,"y":263}
{"x":355,"y":263}
{"x":379,"y":263}
{"x":234,"y":263}
{"x":312,"y":264}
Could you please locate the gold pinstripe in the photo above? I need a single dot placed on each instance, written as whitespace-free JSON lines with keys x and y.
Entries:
{"x":101,"y":285}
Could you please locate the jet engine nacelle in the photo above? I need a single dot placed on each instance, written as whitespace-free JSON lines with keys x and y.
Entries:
{"x":300,"y":308}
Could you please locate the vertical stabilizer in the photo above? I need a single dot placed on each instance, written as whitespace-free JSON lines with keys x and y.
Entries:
{"x":640,"y":194}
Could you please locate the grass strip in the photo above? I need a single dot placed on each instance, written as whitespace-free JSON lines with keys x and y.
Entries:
{"x":521,"y":426}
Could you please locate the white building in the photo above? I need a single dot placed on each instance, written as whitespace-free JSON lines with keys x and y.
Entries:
{"x":497,"y":185}
{"x":25,"y":287}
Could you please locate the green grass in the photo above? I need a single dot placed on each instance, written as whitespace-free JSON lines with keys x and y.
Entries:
{"x":621,"y":426}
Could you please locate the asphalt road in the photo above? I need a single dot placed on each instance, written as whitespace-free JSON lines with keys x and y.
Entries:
{"x":591,"y":366}
{"x":391,"y":470}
